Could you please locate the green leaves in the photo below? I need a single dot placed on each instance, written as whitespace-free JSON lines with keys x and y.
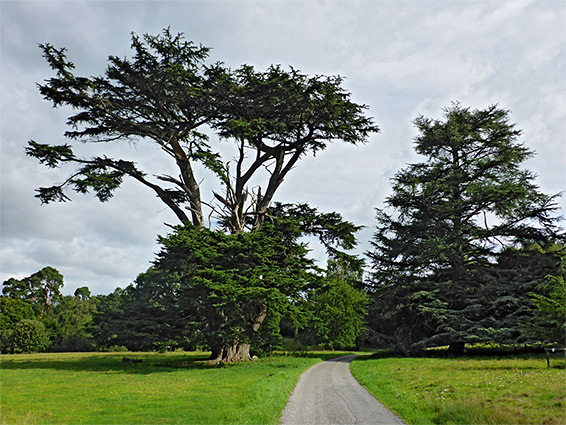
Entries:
{"x":50,"y":155}
{"x":98,"y":177}
{"x":30,"y":336}
{"x":285,"y":108}
{"x":471,"y":190}
{"x":234,"y":277}
{"x":549,"y":301}
{"x":453,"y":217}
{"x":41,"y":289}
{"x":212,"y":288}
{"x":331,"y":229}
{"x":336,"y":310}
{"x":36,"y":316}
{"x":102,"y":175}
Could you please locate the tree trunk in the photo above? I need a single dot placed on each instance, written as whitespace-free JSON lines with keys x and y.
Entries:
{"x":236,"y":352}
{"x":457,"y":348}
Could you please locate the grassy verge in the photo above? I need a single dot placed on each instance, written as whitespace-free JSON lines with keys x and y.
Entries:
{"x":467,"y":390}
{"x":172,"y":388}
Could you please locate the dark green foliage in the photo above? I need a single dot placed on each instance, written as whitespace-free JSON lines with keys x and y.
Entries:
{"x":82,"y":293}
{"x":439,"y":268}
{"x":161,"y":94}
{"x":132,"y":318}
{"x":29,"y":336}
{"x":268,"y":337}
{"x":549,"y":301}
{"x":275,"y":118}
{"x":210,"y":289}
{"x":227,"y":284}
{"x":42,"y":289}
{"x":51,"y":156}
{"x":70,"y":323}
{"x":64,"y":320}
{"x":289,"y":107}
{"x":16,"y":289}
{"x":12,"y":311}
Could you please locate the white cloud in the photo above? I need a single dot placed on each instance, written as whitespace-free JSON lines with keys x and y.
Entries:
{"x":402,"y":58}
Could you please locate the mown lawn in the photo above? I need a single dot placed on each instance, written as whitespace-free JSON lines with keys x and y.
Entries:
{"x":172,"y":388}
{"x":468,"y":390}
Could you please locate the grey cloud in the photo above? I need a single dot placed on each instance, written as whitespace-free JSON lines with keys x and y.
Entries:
{"x":401,"y":58}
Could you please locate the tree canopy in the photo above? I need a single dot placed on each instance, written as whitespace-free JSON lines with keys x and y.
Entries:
{"x":41,"y":289}
{"x":454,"y":215}
{"x":336,"y":310}
{"x":549,"y":301}
{"x":35,"y":315}
{"x":461,"y":253}
{"x":168,"y":95}
{"x":217,"y":289}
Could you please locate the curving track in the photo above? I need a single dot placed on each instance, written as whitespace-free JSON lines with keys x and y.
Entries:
{"x":328,"y":394}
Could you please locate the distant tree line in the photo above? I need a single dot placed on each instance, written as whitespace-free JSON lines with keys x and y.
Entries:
{"x":466,"y":250}
{"x":166,"y":309}
{"x":35,"y":316}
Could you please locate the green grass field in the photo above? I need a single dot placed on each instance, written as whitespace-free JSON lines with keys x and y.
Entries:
{"x":172,"y":388}
{"x":468,"y":390}
{"x":180,"y":388}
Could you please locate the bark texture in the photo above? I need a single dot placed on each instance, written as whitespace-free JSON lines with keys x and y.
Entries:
{"x":236,"y":352}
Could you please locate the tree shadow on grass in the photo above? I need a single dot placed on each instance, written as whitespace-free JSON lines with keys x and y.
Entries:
{"x":485,"y":362}
{"x":136,"y":363}
{"x":323,"y":355}
{"x":96,"y":362}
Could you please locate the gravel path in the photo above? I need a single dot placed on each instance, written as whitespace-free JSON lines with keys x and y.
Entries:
{"x":328,"y":394}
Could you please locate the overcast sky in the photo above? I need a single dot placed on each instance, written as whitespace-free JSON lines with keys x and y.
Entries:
{"x":401,"y":58}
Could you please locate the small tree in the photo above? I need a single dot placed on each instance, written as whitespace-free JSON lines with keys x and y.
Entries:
{"x":338,"y":308}
{"x":12,"y":311}
{"x":123,"y":319}
{"x":145,"y":316}
{"x":42,"y":289}
{"x":453,"y":215}
{"x":30,"y":336}
{"x":82,"y":293}
{"x":550,"y":306}
{"x":223,"y":287}
{"x":70,"y":322}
